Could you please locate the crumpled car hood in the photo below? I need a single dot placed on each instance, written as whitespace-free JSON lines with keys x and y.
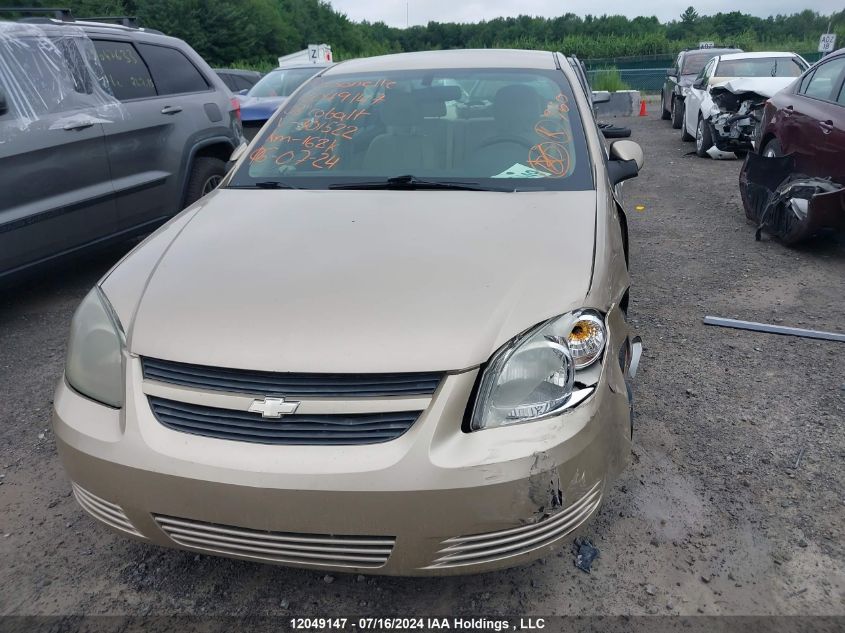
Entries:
{"x":763,"y":86}
{"x":364,"y":281}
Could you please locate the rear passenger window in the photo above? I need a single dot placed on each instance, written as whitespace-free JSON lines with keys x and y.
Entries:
{"x":824,"y":80}
{"x":173,"y":73}
{"x":125,"y":71}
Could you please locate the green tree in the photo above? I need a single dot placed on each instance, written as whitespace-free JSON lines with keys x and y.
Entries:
{"x":690,"y":16}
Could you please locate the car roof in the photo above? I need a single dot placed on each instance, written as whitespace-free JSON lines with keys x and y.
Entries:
{"x":298,"y":67}
{"x":466,"y":58}
{"x":732,"y":56}
{"x":237,"y":71}
{"x":51,"y":26}
{"x":712,"y":51}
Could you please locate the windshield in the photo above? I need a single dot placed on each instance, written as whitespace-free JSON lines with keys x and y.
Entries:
{"x":761,"y":67}
{"x":282,"y":83}
{"x":694,"y":63}
{"x":486,"y":128}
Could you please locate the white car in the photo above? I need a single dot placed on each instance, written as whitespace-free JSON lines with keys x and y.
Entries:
{"x":722,"y":107}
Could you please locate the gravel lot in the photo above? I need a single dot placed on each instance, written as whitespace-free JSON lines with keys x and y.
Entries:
{"x":734,"y":502}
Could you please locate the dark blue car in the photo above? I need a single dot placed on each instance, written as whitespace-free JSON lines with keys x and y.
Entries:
{"x":264,"y":98}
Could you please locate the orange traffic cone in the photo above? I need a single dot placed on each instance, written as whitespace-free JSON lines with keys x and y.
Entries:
{"x":642,"y":108}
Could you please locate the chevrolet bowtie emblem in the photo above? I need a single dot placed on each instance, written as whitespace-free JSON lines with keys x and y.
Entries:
{"x":273,"y":407}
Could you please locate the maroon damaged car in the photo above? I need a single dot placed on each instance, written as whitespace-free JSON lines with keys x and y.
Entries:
{"x":807,"y":119}
{"x":803,"y":126}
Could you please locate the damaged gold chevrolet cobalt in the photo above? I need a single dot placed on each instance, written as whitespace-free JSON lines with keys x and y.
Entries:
{"x":393,"y":340}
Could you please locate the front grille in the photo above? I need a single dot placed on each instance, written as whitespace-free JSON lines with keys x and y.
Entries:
{"x":279,"y":547}
{"x":243,"y":426}
{"x":109,"y":513}
{"x":267,"y":383}
{"x":493,"y":546}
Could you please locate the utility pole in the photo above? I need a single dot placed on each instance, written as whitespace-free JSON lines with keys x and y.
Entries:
{"x":407,"y":14}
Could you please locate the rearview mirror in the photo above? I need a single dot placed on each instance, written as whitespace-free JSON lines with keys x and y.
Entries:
{"x":601,"y":96}
{"x":626,"y":160}
{"x":4,"y":108}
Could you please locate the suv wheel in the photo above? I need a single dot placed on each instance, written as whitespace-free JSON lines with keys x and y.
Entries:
{"x":206,"y":174}
{"x":677,"y":114}
{"x":664,"y":113}
{"x":703,"y":138}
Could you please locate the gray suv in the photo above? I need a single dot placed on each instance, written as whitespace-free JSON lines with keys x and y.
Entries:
{"x":106,"y":131}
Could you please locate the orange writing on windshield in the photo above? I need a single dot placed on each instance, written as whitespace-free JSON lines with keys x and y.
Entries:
{"x":550,"y":157}
{"x":553,"y":129}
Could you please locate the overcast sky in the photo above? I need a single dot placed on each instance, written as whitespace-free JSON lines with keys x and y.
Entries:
{"x":422,"y":11}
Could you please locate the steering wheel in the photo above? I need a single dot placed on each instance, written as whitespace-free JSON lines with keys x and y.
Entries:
{"x":507,"y":139}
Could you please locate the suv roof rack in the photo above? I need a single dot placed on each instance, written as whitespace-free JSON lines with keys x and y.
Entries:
{"x":42,"y":15}
{"x":31,"y":14}
{"x":129,"y":21}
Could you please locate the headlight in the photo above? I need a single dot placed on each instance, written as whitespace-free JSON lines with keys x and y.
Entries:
{"x":533,"y":375}
{"x":586,"y":339}
{"x":94,"y":357}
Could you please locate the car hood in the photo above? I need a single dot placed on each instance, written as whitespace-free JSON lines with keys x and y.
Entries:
{"x":763,"y":86}
{"x":360,"y":281}
{"x":259,"y":108}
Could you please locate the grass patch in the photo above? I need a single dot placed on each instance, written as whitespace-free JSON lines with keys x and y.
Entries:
{"x":608,"y":78}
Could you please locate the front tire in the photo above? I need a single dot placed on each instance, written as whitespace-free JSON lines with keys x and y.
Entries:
{"x":206,"y":174}
{"x":703,"y":138}
{"x":685,"y":136}
{"x":677,"y":113}
{"x":664,"y":113}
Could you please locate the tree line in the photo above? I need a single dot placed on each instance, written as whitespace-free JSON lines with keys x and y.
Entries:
{"x":253,"y":33}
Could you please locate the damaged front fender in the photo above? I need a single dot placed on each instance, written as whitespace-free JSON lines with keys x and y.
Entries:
{"x":737,"y":118}
{"x":735,"y":110}
{"x":786,"y":204}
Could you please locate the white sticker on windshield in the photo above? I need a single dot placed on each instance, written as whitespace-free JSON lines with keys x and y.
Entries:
{"x":518,"y":170}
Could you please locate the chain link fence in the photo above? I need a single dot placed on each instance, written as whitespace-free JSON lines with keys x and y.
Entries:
{"x":646,"y":73}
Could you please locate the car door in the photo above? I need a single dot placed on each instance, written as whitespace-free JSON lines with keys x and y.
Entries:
{"x":158,"y":87}
{"x":673,"y":76}
{"x":137,"y":144}
{"x":54,"y":176}
{"x":815,"y":129}
{"x":692,"y":103}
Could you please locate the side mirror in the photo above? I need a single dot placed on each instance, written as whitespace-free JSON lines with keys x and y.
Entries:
{"x":670,"y":72}
{"x":243,"y":92}
{"x":700,"y":84}
{"x":626,"y":160}
{"x":4,"y":107}
{"x":240,"y":150}
{"x":601,"y":96}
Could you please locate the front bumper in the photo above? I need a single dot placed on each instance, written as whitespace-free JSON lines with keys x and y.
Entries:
{"x":434,"y":501}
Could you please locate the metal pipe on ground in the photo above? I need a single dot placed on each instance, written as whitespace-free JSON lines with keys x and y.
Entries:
{"x":773,"y":329}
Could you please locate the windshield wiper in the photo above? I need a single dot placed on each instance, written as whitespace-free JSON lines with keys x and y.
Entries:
{"x":412,"y":182}
{"x":263,"y":184}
